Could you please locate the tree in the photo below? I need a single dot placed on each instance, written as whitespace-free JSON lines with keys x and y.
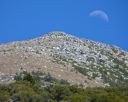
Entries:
{"x":29,"y":77}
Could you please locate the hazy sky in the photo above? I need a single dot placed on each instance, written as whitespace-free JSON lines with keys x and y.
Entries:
{"x":26,"y":19}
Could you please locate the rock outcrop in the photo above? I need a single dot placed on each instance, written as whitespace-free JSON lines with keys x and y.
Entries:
{"x":66,"y":57}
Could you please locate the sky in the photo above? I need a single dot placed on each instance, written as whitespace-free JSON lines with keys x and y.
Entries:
{"x":27,"y":19}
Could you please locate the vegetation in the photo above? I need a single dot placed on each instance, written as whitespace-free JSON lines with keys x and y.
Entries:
{"x":38,"y":78}
{"x":28,"y":89}
{"x":24,"y":91}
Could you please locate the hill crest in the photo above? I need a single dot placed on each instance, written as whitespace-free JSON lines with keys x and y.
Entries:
{"x":67,"y":57}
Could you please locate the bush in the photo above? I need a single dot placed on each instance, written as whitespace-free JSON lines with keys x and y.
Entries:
{"x":4,"y":96}
{"x":28,"y":90}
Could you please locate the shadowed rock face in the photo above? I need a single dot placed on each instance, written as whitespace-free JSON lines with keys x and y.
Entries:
{"x":66,"y":57}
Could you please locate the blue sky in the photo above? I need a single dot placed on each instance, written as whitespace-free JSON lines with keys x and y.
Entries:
{"x":26,"y":19}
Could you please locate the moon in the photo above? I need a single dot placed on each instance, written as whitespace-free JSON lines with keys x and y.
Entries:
{"x":100,"y":14}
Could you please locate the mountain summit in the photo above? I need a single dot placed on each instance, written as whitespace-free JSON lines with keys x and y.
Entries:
{"x":66,"y":57}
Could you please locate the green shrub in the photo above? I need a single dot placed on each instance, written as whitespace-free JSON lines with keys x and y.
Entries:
{"x":4,"y":96}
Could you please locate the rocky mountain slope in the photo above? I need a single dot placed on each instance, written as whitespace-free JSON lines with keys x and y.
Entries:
{"x":66,"y":57}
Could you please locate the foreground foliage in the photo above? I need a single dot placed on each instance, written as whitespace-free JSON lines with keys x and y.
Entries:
{"x":24,"y":91}
{"x":27,"y":89}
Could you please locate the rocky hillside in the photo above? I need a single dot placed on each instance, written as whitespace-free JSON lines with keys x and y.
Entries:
{"x":66,"y":57}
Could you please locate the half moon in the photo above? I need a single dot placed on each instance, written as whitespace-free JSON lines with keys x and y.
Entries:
{"x":100,"y":14}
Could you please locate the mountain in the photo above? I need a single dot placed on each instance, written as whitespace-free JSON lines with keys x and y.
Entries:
{"x":79,"y":61}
